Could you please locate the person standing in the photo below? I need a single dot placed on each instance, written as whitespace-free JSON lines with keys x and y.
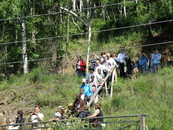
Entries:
{"x":80,"y":67}
{"x":142,"y":63}
{"x":156,"y":60}
{"x":121,"y":57}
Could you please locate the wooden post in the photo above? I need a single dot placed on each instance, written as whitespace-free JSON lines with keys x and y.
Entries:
{"x":112,"y":82}
{"x":106,"y":88}
{"x":142,"y":123}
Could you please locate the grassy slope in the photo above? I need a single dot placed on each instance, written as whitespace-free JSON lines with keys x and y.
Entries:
{"x":149,"y":94}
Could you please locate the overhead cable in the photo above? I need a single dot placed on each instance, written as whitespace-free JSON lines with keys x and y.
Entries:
{"x":41,"y":59}
{"x":104,"y":30}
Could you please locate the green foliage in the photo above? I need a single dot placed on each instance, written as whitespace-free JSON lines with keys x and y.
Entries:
{"x":148,"y":94}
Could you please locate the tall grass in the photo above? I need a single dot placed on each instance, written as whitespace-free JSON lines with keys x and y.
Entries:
{"x":148,"y":94}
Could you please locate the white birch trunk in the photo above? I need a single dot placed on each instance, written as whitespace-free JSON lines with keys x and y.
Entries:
{"x":125,"y":14}
{"x":24,"y":54}
{"x":74,"y":5}
{"x":89,"y":34}
{"x":81,"y":5}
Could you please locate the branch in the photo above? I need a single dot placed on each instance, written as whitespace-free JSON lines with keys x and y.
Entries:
{"x":74,"y":14}
{"x":75,"y":23}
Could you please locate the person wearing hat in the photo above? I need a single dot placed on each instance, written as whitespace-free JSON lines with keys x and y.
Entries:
{"x":71,"y":110}
{"x":87,"y":88}
{"x":58,"y":115}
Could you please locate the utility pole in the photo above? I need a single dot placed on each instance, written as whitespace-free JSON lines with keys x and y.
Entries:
{"x":89,"y":33}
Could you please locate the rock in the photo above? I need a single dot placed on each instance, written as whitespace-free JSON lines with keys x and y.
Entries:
{"x":1,"y":114}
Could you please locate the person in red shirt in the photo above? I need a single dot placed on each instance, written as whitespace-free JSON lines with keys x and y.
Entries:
{"x":80,"y":67}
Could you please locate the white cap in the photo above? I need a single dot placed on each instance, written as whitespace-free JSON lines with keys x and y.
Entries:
{"x":60,"y":107}
{"x":83,"y":80}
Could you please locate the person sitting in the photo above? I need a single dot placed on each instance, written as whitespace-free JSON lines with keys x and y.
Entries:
{"x":78,"y":103}
{"x":36,"y":116}
{"x":71,"y":110}
{"x":97,"y":113}
{"x":84,"y":112}
{"x":100,"y":77}
{"x":169,"y":62}
{"x":87,"y":88}
{"x":19,"y":119}
{"x":83,"y":96}
{"x":91,"y":72}
{"x":93,"y":83}
{"x":58,"y":115}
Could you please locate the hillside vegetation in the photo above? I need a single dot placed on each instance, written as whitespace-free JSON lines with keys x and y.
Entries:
{"x":147,"y":94}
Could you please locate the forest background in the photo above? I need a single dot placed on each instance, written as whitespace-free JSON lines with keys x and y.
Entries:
{"x":49,"y":34}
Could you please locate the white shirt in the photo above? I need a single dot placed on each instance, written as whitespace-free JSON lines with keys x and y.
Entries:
{"x":102,"y":67}
{"x":156,"y":58}
{"x":57,"y":115}
{"x":88,"y":77}
{"x":111,"y":63}
{"x":34,"y":118}
{"x":121,"y":56}
{"x":79,"y":64}
{"x":82,"y":96}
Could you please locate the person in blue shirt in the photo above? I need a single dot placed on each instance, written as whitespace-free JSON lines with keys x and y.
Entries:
{"x":87,"y":88}
{"x":142,"y":63}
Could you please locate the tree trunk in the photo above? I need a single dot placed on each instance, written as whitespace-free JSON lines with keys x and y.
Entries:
{"x":125,"y":14}
{"x":24,"y":53}
{"x":74,"y":5}
{"x":4,"y":53}
{"x":81,"y":5}
{"x":103,"y":12}
{"x":66,"y":57}
{"x":89,"y":34}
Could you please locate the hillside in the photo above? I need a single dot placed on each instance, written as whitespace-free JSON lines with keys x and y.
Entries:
{"x":148,"y":94}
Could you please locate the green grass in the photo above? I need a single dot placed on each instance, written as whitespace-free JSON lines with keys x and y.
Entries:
{"x":148,"y":94}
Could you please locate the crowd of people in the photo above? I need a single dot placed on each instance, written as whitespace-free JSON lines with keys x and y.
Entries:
{"x":78,"y":109}
{"x":99,"y":69}
{"x":122,"y":62}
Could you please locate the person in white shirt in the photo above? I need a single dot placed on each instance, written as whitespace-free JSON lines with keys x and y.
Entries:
{"x":36,"y":116}
{"x":98,"y":65}
{"x":121,"y":57}
{"x":111,"y":62}
{"x":91,"y":72}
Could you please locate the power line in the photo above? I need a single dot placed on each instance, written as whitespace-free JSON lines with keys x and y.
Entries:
{"x":126,"y":27}
{"x":64,"y":11}
{"x":154,"y":44}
